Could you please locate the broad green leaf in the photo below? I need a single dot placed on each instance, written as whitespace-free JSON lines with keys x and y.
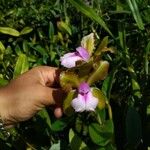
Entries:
{"x":26,"y":30}
{"x":75,"y":142}
{"x":56,"y":146}
{"x":44,"y":115}
{"x":81,"y":6}
{"x":101,"y":134}
{"x":21,"y":66}
{"x":2,"y":48}
{"x":63,"y":26}
{"x":25,"y":46}
{"x":68,"y":110}
{"x":60,"y":124}
{"x":133,"y":127}
{"x":136,"y":14}
{"x":102,"y":99}
{"x":9,"y":31}
{"x":99,"y":73}
{"x":88,"y":43}
{"x":68,"y":80}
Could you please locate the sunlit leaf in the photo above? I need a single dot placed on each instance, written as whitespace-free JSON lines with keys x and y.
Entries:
{"x":55,"y":146}
{"x":63,"y":26}
{"x":2,"y":48}
{"x":3,"y":82}
{"x":26,"y":30}
{"x":21,"y":66}
{"x":9,"y":31}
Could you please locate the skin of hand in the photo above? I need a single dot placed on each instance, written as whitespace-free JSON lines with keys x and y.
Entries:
{"x":24,"y":96}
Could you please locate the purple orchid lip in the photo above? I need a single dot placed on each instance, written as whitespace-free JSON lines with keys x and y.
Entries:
{"x":84,"y":88}
{"x":83,"y":53}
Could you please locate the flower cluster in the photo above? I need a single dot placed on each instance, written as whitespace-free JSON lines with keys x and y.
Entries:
{"x":84,"y":99}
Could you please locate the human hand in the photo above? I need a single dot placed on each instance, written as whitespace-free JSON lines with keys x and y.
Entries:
{"x":29,"y":93}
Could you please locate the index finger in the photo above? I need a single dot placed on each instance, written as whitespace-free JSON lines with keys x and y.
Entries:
{"x":49,"y":75}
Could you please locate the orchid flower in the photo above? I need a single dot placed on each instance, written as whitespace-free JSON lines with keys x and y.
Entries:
{"x":69,"y":60}
{"x":85,"y":101}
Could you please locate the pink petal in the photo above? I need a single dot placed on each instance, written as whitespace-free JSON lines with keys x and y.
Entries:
{"x":83,"y":53}
{"x":91,"y":102}
{"x":84,"y":88}
{"x":69,"y":60}
{"x":78,"y":103}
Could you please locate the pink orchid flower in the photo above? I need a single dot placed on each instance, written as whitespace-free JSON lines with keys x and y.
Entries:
{"x":85,"y":101}
{"x":69,"y":59}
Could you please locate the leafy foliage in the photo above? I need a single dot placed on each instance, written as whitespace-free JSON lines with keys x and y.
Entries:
{"x":38,"y":32}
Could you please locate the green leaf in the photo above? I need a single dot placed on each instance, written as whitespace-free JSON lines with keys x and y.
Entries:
{"x":133,"y":128}
{"x":136,"y":14}
{"x":107,"y":84}
{"x":99,"y":73}
{"x":44,"y":115}
{"x":21,"y":66}
{"x":55,"y":146}
{"x":63,"y":26}
{"x":3,"y":82}
{"x":51,"y":32}
{"x":75,"y":142}
{"x":68,"y":110}
{"x":101,"y":134}
{"x":60,"y":124}
{"x":26,"y":30}
{"x":81,"y":6}
{"x":2,"y":48}
{"x":9,"y":31}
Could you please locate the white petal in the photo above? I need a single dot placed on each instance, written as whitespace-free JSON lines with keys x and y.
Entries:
{"x":69,"y":60}
{"x":78,"y":103}
{"x":91,"y":102}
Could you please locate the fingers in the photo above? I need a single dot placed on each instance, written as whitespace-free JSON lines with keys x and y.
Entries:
{"x":52,"y":96}
{"x":50,"y":75}
{"x":58,"y":112}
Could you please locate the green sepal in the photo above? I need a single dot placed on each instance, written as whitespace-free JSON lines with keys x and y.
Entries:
{"x":99,"y":73}
{"x":101,"y":97}
{"x":88,"y":43}
{"x":68,"y":80}
{"x":67,"y":108}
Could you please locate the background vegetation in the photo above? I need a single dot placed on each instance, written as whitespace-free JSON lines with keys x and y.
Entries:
{"x":34,"y":32}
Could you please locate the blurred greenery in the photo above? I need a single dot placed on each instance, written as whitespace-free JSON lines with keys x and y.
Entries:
{"x":35,"y":32}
